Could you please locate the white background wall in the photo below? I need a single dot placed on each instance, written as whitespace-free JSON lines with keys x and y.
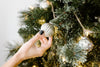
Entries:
{"x":9,"y":22}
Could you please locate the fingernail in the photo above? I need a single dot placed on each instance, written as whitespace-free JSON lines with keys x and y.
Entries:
{"x":47,"y":38}
{"x":41,"y":32}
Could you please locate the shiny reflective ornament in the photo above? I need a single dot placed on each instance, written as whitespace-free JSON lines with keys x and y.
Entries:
{"x":43,"y":4}
{"x":85,"y":44}
{"x":48,"y":29}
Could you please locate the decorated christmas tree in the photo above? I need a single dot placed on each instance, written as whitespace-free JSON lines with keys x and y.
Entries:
{"x":76,"y":41}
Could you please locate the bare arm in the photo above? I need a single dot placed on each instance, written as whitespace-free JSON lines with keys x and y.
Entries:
{"x":13,"y":62}
{"x":29,"y":50}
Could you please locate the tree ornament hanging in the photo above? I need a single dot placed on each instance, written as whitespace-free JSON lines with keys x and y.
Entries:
{"x":48,"y":29}
{"x":44,"y":4}
{"x":71,"y":53}
{"x":85,"y":44}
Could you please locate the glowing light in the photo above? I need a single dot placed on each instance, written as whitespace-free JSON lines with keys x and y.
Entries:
{"x":42,"y":21}
{"x":87,"y":32}
{"x":34,"y":66}
{"x":48,"y":2}
{"x":79,"y":66}
{"x":31,"y":7}
{"x":63,"y":59}
{"x":56,"y":29}
{"x":80,"y":38}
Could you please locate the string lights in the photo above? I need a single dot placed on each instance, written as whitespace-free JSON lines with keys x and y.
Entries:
{"x":31,"y":7}
{"x":34,"y":66}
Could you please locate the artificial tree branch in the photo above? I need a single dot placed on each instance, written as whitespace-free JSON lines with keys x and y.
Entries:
{"x":85,"y":31}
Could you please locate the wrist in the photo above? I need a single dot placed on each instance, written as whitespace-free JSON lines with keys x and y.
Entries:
{"x":14,"y":61}
{"x":18,"y":58}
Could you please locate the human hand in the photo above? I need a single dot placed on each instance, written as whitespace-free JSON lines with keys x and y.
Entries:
{"x":29,"y":50}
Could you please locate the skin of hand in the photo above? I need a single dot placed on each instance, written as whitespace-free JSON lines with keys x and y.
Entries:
{"x":29,"y":50}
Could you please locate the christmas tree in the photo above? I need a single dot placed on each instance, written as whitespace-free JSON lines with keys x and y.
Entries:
{"x":76,"y":41}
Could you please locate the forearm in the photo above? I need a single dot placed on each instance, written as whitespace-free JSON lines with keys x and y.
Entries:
{"x":14,"y":61}
{"x":19,"y":56}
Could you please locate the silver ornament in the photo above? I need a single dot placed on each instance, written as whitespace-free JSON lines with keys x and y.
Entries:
{"x":85,"y":44}
{"x":48,"y":29}
{"x":43,"y":4}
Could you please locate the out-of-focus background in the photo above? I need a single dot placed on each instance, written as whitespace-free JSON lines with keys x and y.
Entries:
{"x":10,"y":23}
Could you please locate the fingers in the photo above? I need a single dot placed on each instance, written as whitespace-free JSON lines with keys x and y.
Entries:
{"x":45,"y":44}
{"x":35,"y":39}
{"x":41,"y":40}
{"x":45,"y":40}
{"x":49,"y":43}
{"x":31,"y":42}
{"x":41,"y":32}
{"x":37,"y":35}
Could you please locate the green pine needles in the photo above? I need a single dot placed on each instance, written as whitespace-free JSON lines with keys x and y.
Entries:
{"x":65,"y":51}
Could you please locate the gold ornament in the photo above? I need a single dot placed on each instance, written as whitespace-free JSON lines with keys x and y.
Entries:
{"x":48,"y":29}
{"x":56,"y":29}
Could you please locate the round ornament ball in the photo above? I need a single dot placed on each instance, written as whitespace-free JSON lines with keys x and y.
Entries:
{"x":48,"y":29}
{"x":85,"y":44}
{"x":44,"y":4}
